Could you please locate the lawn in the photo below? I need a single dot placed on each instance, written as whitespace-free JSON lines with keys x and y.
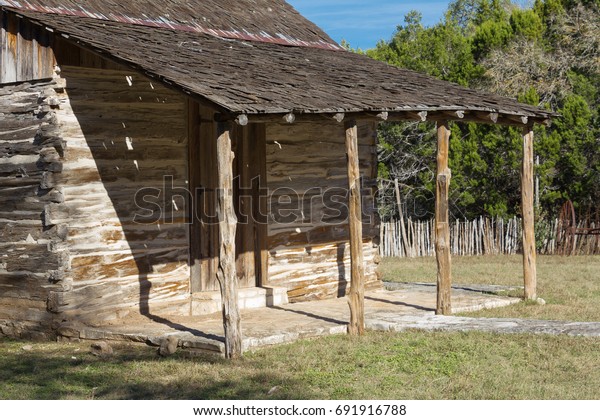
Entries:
{"x":569,"y":285}
{"x":412,"y":365}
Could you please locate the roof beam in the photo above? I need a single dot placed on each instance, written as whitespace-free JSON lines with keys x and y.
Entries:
{"x":421,"y":115}
{"x":480,"y":117}
{"x":289,"y":118}
{"x":339,"y":117}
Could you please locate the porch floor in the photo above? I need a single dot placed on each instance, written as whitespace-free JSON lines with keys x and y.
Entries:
{"x":384,"y":310}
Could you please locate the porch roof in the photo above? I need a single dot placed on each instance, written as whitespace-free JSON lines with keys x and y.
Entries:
{"x":254,"y":78}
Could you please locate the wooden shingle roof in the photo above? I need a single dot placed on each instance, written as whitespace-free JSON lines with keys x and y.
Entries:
{"x":253,"y":78}
{"x":272,"y":21}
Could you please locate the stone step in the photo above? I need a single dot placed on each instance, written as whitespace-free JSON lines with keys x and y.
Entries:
{"x":205,"y":303}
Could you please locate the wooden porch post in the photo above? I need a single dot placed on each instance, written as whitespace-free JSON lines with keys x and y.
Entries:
{"x":226,"y":273}
{"x":356,"y":297}
{"x":442,"y":226}
{"x":529,"y":253}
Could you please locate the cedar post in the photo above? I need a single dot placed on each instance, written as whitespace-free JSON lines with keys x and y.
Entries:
{"x":356,"y":297}
{"x":529,"y":254}
{"x":226,"y":273}
{"x":442,"y":226}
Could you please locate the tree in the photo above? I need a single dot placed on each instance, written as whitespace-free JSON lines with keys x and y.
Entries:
{"x":440,"y":50}
{"x":545,"y":55}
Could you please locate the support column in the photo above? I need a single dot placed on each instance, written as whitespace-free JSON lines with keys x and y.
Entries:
{"x":442,"y":226}
{"x":529,"y":253}
{"x":226,"y":273}
{"x":356,"y":297}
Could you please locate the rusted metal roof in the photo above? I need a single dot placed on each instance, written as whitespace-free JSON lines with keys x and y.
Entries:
{"x":243,"y":77}
{"x":272,"y":21}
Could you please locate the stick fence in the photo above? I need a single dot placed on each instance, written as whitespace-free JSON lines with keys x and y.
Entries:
{"x":482,"y":236}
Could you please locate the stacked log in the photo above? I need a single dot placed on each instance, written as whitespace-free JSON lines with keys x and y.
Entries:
{"x":34,"y":261}
{"x":308,"y":235}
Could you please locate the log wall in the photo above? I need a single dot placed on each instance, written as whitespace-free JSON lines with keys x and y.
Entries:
{"x":75,"y":153}
{"x":94,"y":211}
{"x":34,"y":260}
{"x":308,"y":234}
{"x":127,"y":147}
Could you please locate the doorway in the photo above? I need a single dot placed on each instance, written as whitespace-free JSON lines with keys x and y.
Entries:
{"x":250,"y":199}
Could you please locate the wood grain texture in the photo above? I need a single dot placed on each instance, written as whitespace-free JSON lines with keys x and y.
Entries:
{"x":34,"y":262}
{"x":125,"y":134}
{"x":244,"y":171}
{"x":226,"y":274}
{"x":195,"y":184}
{"x":308,"y":241}
{"x":356,"y":296}
{"x":527,"y":191}
{"x":209,"y":241}
{"x":259,"y":187}
{"x":442,"y":225}
{"x":25,"y":49}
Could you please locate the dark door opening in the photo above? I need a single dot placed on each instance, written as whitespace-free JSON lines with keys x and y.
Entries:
{"x":250,"y":196}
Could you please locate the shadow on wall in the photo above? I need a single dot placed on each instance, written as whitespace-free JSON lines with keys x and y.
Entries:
{"x":130,"y":229}
{"x":135,"y":131}
{"x":127,"y":134}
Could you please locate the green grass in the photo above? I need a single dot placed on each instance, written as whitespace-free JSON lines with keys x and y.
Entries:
{"x":569,"y":285}
{"x":413,"y":365}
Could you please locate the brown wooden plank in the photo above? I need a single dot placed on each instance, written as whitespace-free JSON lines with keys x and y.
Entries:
{"x":194,"y":164}
{"x":226,"y":273}
{"x":442,"y":228}
{"x":244,"y":171}
{"x":37,"y":52}
{"x":527,"y":192}
{"x":208,"y":168}
{"x":261,"y":204}
{"x":32,"y":258}
{"x":44,"y":54}
{"x":8,"y":54}
{"x":356,"y":296}
{"x":66,"y":53}
{"x":25,"y":51}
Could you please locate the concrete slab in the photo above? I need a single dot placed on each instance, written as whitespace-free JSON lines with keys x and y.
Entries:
{"x":430,"y":322}
{"x":286,"y":323}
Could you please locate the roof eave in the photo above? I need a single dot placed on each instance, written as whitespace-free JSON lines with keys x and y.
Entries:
{"x":482,"y":116}
{"x":525,"y":116}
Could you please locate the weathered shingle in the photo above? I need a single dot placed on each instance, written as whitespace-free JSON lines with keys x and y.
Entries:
{"x":273,"y":21}
{"x":263,"y":78}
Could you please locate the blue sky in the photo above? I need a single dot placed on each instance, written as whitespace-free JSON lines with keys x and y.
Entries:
{"x":364,"y":22}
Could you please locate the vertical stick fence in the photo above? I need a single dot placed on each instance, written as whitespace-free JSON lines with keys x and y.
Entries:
{"x":482,"y":236}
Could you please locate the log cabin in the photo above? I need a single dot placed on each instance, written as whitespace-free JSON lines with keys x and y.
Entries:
{"x":185,"y":158}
